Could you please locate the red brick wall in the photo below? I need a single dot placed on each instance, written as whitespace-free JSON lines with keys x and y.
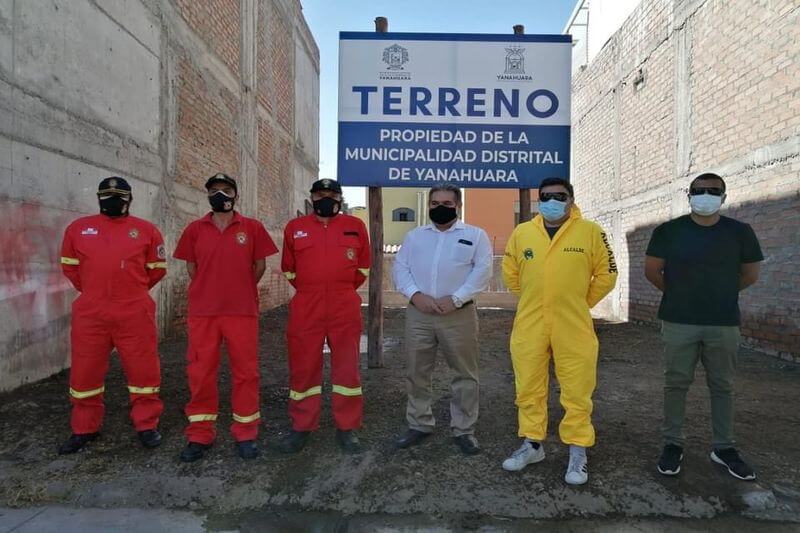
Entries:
{"x":217,"y":22}
{"x":739,"y":83}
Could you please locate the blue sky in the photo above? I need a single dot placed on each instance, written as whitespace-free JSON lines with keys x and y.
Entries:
{"x":327,"y":18}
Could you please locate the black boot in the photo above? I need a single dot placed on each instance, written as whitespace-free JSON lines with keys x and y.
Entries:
{"x":75,"y":442}
{"x":294,"y":441}
{"x":150,"y":438}
{"x":194,"y":451}
{"x":348,"y":441}
{"x":247,"y":449}
{"x":412,"y":437}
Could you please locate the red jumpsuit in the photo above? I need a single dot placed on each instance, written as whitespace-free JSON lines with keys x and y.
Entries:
{"x":223,"y":305}
{"x":113,"y":262}
{"x":326,"y":264}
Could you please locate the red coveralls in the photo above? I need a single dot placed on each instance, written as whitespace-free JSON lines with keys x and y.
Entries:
{"x":223,"y":305}
{"x":326,"y":264}
{"x":113,"y":262}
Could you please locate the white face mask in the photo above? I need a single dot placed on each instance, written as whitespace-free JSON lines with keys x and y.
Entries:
{"x":705,"y":204}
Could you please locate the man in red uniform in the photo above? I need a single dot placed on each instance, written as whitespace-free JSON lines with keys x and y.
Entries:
{"x":113,"y":259}
{"x":224,"y":253}
{"x":326,"y":258}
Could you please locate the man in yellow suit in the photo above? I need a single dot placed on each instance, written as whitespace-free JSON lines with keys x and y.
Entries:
{"x":561,"y":266}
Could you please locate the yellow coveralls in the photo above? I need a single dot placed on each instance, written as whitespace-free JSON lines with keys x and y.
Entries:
{"x":557,"y":281}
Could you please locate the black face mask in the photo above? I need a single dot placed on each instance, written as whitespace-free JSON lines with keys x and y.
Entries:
{"x":326,"y":207}
{"x":114,"y":206}
{"x":441,"y":214}
{"x":220,"y":202}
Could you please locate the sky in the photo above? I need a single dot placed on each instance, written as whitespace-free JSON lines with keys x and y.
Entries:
{"x":327,"y":18}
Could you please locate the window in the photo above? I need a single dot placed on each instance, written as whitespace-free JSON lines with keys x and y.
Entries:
{"x":403,"y":214}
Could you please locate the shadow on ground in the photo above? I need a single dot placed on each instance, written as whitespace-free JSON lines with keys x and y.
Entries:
{"x":433,"y":480}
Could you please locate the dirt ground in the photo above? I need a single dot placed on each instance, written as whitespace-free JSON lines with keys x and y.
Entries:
{"x":433,"y":481}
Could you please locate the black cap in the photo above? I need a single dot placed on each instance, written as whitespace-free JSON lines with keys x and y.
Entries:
{"x":114,"y":185}
{"x":222,"y":178}
{"x":326,"y":185}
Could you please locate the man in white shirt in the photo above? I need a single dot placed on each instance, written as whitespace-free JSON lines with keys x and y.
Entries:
{"x":440,"y":268}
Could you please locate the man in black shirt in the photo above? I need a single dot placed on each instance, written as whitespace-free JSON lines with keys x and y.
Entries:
{"x":700,"y":262}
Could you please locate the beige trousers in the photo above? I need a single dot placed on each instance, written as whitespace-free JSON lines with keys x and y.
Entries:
{"x":456,"y":335}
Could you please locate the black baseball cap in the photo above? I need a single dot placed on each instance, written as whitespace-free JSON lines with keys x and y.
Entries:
{"x":222,"y":178}
{"x":326,"y":185}
{"x":114,"y":185}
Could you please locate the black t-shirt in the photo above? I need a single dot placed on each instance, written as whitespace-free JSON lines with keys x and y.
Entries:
{"x":702,"y":268}
{"x":552,"y":231}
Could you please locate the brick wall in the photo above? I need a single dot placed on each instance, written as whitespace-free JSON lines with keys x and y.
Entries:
{"x":687,"y":86}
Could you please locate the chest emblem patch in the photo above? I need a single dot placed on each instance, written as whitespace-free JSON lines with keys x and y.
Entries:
{"x":527,"y":254}
{"x":299,"y":234}
{"x":134,"y":233}
{"x":351,"y":254}
{"x":89,"y":231}
{"x":241,"y":238}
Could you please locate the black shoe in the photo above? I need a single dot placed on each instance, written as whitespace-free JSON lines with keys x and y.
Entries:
{"x":670,"y":462}
{"x":468,"y":444}
{"x":150,"y":438}
{"x":75,"y":442}
{"x":348,"y":441}
{"x":247,"y":449}
{"x":194,"y":451}
{"x":294,"y":441}
{"x":729,"y":458}
{"x":411,"y":438}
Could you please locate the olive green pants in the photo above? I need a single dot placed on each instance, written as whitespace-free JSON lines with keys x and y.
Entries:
{"x":716,"y":347}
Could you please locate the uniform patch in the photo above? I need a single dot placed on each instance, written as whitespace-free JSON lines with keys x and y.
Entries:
{"x":112,"y":183}
{"x":89,"y":231}
{"x":241,"y":237}
{"x":134,"y":233}
{"x":351,"y":254}
{"x":574,"y":249}
{"x":527,"y":253}
{"x":300,"y":234}
{"x":161,"y":251}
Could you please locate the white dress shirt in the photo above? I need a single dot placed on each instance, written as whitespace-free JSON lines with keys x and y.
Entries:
{"x":455,"y":262}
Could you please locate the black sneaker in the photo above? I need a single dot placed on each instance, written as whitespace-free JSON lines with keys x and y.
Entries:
{"x":730,"y":459}
{"x":75,"y":442}
{"x":247,"y":449}
{"x":293,"y":442}
{"x":150,"y":438}
{"x":468,"y":444}
{"x":670,"y":462}
{"x":194,"y":451}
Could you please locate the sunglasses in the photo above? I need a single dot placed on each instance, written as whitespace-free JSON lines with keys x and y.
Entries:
{"x":560,"y":196}
{"x":714,"y":191}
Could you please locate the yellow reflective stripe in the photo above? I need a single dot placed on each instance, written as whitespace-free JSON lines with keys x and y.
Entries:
{"x":246,"y":419}
{"x":80,"y":394}
{"x":290,"y":275}
{"x":294,"y":395}
{"x":364,"y":271}
{"x":143,"y":390}
{"x":70,"y":261}
{"x":156,"y":265}
{"x":201,"y":418}
{"x":347,"y":391}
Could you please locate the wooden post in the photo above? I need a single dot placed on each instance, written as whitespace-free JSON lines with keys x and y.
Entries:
{"x":375,"y":309}
{"x":524,"y":194}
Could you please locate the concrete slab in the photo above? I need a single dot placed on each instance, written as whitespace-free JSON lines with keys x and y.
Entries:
{"x":12,"y":519}
{"x":66,"y":520}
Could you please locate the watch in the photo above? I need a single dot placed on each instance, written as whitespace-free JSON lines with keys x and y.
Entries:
{"x":458,"y":302}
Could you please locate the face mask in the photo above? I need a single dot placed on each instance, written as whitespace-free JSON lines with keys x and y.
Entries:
{"x":220,"y":202}
{"x":705,"y":204}
{"x":441,"y":214}
{"x":326,"y":207}
{"x":114,"y":206}
{"x":553,"y":210}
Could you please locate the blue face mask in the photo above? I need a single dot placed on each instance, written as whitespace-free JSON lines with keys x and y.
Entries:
{"x":553,"y":210}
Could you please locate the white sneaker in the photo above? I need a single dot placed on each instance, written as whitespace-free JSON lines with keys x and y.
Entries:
{"x":525,"y":455}
{"x":577,"y":470}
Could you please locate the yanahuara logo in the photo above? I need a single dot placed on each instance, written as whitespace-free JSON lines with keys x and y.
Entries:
{"x":514,"y":65}
{"x":395,"y":57}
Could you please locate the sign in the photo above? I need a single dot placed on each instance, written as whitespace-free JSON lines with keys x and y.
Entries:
{"x":475,"y":110}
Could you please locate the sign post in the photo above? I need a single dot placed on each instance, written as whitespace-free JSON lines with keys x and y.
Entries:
{"x":524,"y":193}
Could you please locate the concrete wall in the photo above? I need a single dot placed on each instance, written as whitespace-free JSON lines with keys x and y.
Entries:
{"x":163,"y":93}
{"x":687,"y":86}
